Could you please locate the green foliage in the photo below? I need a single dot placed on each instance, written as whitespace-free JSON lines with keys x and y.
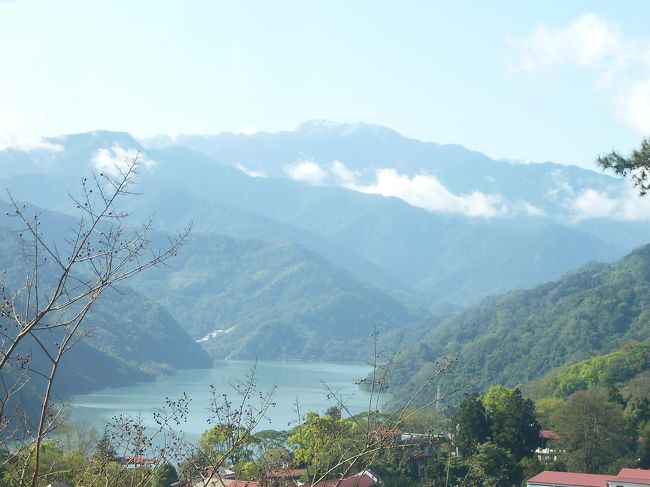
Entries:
{"x":320,"y":442}
{"x":593,"y":431}
{"x":471,"y":426}
{"x":226,"y":442}
{"x":495,"y":399}
{"x":643,"y":449}
{"x":425,"y":421}
{"x":636,"y":166}
{"x":494,"y":466}
{"x":637,"y":410}
{"x":529,"y":467}
{"x":447,"y":470}
{"x":546,"y":407}
{"x":489,"y":466}
{"x":503,"y":416}
{"x":163,"y":476}
{"x":600,"y":371}
{"x":513,"y":423}
{"x":270,"y":439}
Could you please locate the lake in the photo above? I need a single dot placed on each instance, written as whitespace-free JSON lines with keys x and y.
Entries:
{"x":295,"y":381}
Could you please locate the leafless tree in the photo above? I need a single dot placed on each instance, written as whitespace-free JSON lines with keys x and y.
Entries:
{"x":62,"y":280}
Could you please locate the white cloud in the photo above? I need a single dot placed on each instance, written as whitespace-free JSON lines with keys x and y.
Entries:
{"x":593,"y":204}
{"x":561,"y":189}
{"x":589,"y":41}
{"x":422,"y":190}
{"x":28,"y":144}
{"x":307,"y":171}
{"x":343,"y":173}
{"x":426,"y":191}
{"x":250,"y":172}
{"x":634,"y":106}
{"x":592,"y":42}
{"x":113,"y":160}
{"x":530,"y":209}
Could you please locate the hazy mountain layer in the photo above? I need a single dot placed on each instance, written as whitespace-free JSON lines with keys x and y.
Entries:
{"x":356,"y":154}
{"x":380,"y":241}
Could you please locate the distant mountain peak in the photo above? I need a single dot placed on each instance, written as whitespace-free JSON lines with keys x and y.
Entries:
{"x":331,"y":128}
{"x":317,"y":124}
{"x":99,"y":138}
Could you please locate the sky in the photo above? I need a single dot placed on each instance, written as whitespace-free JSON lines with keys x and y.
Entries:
{"x":535,"y":81}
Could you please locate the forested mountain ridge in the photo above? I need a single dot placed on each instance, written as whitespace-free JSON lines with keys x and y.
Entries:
{"x":275,"y":300}
{"x":517,"y":337}
{"x":382,"y":241}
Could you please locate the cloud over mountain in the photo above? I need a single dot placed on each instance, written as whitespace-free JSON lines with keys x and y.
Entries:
{"x":113,"y":160}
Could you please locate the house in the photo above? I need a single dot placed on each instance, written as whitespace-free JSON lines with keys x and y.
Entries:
{"x":627,"y":477}
{"x":418,"y":447}
{"x":631,"y":477}
{"x":217,"y":482}
{"x":283,"y":477}
{"x":222,"y":473}
{"x":549,"y":478}
{"x":545,"y":453}
{"x":216,"y":478}
{"x":362,"y":479}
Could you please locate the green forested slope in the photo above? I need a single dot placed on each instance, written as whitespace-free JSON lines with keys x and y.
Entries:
{"x":613,"y":369}
{"x":522,"y":335}
{"x":277,"y":299}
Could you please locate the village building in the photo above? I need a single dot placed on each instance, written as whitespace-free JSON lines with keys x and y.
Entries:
{"x":627,"y":477}
{"x":283,"y":477}
{"x":362,"y":479}
{"x":545,"y":452}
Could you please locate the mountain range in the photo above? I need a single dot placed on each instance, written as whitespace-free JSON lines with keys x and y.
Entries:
{"x":306,"y":242}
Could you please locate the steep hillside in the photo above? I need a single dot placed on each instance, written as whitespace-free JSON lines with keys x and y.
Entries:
{"x":522,"y":335}
{"x":254,"y":299}
{"x":130,"y":337}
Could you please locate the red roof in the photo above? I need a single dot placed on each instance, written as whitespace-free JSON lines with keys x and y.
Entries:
{"x":363,"y":479}
{"x":634,"y":475}
{"x":242,"y":483}
{"x":286,"y":473}
{"x":549,"y":435}
{"x":570,"y":479}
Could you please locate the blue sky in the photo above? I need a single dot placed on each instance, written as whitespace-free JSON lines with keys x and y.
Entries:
{"x":561,"y":81}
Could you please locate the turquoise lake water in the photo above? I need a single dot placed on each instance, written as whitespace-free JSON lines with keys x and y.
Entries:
{"x":294,"y":381}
